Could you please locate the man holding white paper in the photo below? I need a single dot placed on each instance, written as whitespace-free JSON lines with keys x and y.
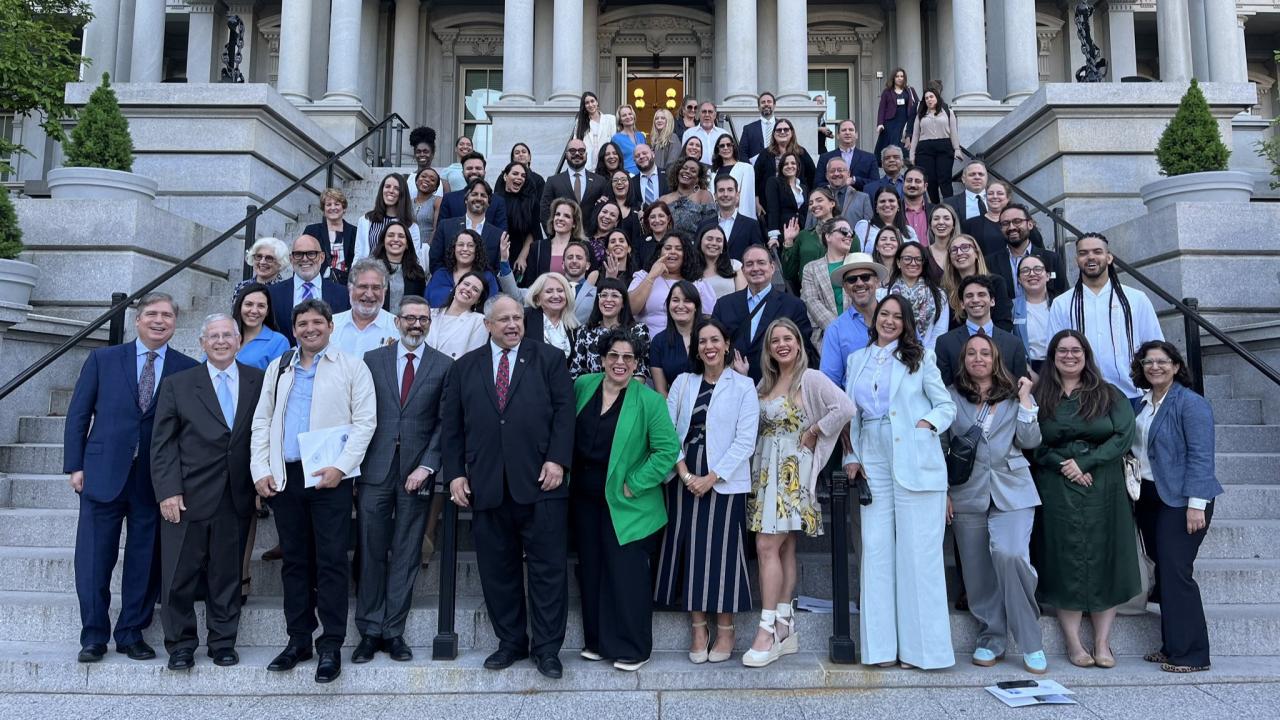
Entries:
{"x":318,"y":387}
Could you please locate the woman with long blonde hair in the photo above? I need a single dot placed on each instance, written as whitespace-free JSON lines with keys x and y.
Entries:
{"x":663,"y":139}
{"x":966,"y":259}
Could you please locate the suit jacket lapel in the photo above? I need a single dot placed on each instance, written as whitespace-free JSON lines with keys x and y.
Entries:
{"x":391,"y":373}
{"x":419,"y":375}
{"x":895,"y":380}
{"x":209,"y":398}
{"x":1162,"y":415}
{"x":250,"y":388}
{"x":129,"y":363}
{"x":521,"y":368}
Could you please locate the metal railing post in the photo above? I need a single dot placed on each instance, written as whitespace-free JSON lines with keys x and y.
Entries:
{"x":399,"y":142}
{"x":1195,"y":360}
{"x":841,"y":648}
{"x":445,"y":644}
{"x":115,"y":332}
{"x":328,"y":174}
{"x":250,"y":237}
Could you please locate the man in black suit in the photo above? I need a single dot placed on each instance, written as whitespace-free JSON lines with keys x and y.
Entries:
{"x":1018,"y":229}
{"x":650,"y":183}
{"x":308,"y":260}
{"x":479,"y":195}
{"x":977,"y":294}
{"x":748,"y":312}
{"x":454,"y":204}
{"x":973,"y":201}
{"x":576,"y":182}
{"x":740,"y":231}
{"x":200,"y":472}
{"x":756,"y":133}
{"x":508,"y":438}
{"x":861,"y":164}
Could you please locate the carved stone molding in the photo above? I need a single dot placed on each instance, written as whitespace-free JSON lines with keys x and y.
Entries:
{"x":865,"y":40}
{"x":447,"y":36}
{"x":478,"y":44}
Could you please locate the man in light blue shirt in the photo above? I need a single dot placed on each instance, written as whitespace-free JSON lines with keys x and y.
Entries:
{"x":851,"y":331}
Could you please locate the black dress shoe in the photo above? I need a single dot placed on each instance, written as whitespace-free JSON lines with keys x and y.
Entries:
{"x":289,"y":657}
{"x":398,"y":649}
{"x":365,"y":649}
{"x":502,"y":659}
{"x":224,"y":657}
{"x":549,"y":666}
{"x":137,"y":651}
{"x":92,"y":652}
{"x":182,"y":660}
{"x":329,"y":667}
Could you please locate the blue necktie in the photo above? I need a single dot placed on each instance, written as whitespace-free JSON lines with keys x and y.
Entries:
{"x":649,"y":192}
{"x":225,"y":400}
{"x":307,"y":291}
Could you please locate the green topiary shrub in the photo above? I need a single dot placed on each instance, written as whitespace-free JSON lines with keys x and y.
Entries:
{"x":1191,"y":143}
{"x":10,"y":233}
{"x":101,"y":139}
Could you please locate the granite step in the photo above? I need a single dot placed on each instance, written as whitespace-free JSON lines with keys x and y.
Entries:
{"x":43,"y":527}
{"x":55,"y":618}
{"x":1237,"y":411}
{"x":41,"y":429}
{"x":1247,"y":438}
{"x":1219,"y":386}
{"x":1248,"y":501}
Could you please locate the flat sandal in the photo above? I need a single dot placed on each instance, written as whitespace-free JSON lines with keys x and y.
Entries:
{"x":1172,"y":668}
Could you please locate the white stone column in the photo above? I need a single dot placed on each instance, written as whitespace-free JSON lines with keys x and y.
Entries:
{"x":591,"y":55}
{"x":1199,"y":39}
{"x":908,"y":34}
{"x":295,"y":50}
{"x":1124,"y":53}
{"x":1242,"y":65}
{"x":1223,"y":35}
{"x":343,"y":79}
{"x":1021,"y":56}
{"x":767,"y":46}
{"x":793,"y":51}
{"x":543,"y":42}
{"x":720,"y":51}
{"x":404,"y":81}
{"x":147,"y":57}
{"x":1173,"y":32}
{"x":566,"y":54}
{"x":969,"y":38}
{"x":100,"y":40}
{"x":740,"y":75}
{"x":200,"y":41}
{"x":124,"y":42}
{"x":946,"y":62}
{"x":517,"y":52}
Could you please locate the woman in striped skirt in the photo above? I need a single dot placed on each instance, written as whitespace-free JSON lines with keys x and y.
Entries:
{"x":703,"y":564}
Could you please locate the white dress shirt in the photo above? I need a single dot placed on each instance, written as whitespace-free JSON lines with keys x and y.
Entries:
{"x":971,"y":209}
{"x":1104,"y":329}
{"x":871,"y":387}
{"x":496,"y":352}
{"x":356,"y":342}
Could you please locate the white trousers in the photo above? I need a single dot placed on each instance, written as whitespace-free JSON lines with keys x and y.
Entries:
{"x":904,"y":589}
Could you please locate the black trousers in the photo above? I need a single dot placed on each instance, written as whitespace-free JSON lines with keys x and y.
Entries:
{"x":390,"y":523}
{"x":202,"y":553}
{"x":936,"y":157}
{"x":616,"y":583}
{"x":510,"y":539}
{"x":314,"y":527}
{"x":1183,"y":630}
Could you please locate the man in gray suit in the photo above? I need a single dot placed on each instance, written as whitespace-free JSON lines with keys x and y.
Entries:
{"x":396,"y":480}
{"x":851,"y":204}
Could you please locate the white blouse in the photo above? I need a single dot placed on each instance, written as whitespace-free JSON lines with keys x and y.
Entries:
{"x":456,"y":335}
{"x":557,"y":335}
{"x":871,"y":387}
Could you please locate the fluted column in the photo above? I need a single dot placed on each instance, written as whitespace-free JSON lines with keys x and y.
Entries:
{"x":147,"y":56}
{"x":969,"y":38}
{"x":1223,"y":37}
{"x":793,"y":50}
{"x":1199,"y":40}
{"x":1173,"y":32}
{"x":1124,"y":53}
{"x":740,"y":74}
{"x":946,"y":62}
{"x":1021,"y":56}
{"x":199,"y":41}
{"x":543,"y":42}
{"x":517,"y":51}
{"x":767,"y":47}
{"x":908,"y":34}
{"x":295,"y":50}
{"x":404,"y":80}
{"x":100,"y":40}
{"x":591,"y":54}
{"x":343,"y":81}
{"x":566,"y":55}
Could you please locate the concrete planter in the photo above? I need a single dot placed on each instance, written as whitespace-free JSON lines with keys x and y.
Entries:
{"x":1214,"y":186}
{"x":85,"y":183}
{"x":17,"y":280}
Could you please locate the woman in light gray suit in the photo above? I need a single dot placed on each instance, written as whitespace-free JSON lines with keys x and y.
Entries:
{"x":992,"y":513}
{"x":894,"y":438}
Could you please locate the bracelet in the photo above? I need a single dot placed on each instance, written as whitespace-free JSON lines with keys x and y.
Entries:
{"x":687,"y":477}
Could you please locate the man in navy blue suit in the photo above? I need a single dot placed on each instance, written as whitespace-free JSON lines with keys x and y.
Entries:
{"x":454,"y":204}
{"x":107,"y":452}
{"x":757,"y":133}
{"x":748,"y":312}
{"x":308,"y":260}
{"x":863,"y":168}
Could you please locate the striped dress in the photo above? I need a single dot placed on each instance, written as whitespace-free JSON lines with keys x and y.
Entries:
{"x":703,"y":563}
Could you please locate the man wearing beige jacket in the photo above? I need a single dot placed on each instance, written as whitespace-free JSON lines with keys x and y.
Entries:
{"x":310,"y":389}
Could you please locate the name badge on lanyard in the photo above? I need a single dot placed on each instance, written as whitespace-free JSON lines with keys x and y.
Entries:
{"x":902,"y":101}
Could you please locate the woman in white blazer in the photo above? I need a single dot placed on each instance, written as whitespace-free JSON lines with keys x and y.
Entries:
{"x":702,"y":567}
{"x":992,"y":512}
{"x":894,"y":440}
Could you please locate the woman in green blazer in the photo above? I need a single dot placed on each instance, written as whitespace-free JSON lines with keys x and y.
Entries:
{"x":624,"y":448}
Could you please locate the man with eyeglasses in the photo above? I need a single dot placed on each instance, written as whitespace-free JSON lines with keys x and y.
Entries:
{"x":706,"y":130}
{"x":977,"y":296}
{"x":1018,"y":228}
{"x":366,"y":326}
{"x":755,"y":132}
{"x":576,"y":183}
{"x":861,"y":278}
{"x":851,"y":204}
{"x":308,"y":260}
{"x":397,"y":480}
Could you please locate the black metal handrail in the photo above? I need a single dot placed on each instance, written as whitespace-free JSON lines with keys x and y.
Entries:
{"x":1191,"y":317}
{"x":118,"y":306}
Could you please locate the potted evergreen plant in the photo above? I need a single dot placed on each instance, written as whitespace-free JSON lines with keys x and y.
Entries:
{"x":98,"y":159}
{"x":1193,"y":158}
{"x":17,"y":278}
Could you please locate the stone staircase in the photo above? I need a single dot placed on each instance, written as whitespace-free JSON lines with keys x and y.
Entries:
{"x":1238,"y":572}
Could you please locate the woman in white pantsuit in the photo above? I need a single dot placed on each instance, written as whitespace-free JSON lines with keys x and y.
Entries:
{"x":894,"y":439}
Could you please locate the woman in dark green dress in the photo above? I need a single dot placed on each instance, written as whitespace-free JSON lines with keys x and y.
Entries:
{"x":1087,"y":544}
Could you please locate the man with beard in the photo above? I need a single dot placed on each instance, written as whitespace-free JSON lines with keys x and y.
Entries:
{"x":456,"y":203}
{"x":755,"y":132}
{"x":576,"y":183}
{"x":1019,"y":230}
{"x":861,"y":277}
{"x":650,"y":183}
{"x":397,"y":480}
{"x":915,"y":201}
{"x":1116,"y":319}
{"x":366,"y":325}
{"x":479,"y":194}
{"x":308,"y":260}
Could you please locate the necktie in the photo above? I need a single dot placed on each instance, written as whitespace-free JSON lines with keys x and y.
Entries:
{"x":650,"y":194}
{"x":307,"y":291}
{"x":577,"y":189}
{"x":147,"y":383}
{"x":407,"y":381}
{"x":982,"y":206}
{"x":980,"y":331}
{"x":840,"y":198}
{"x":225,"y":400}
{"x":752,"y":302}
{"x":503,"y":382}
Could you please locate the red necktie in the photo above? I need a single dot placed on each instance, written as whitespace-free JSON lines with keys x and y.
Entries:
{"x":407,"y":381}
{"x":503,"y":382}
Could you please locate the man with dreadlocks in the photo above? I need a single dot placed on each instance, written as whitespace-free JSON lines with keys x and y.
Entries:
{"x":1116,"y":319}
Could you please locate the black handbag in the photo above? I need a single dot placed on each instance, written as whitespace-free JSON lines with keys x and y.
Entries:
{"x":963,"y":448}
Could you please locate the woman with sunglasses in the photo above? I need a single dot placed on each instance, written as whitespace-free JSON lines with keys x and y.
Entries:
{"x":823,"y":294}
{"x":725,"y":161}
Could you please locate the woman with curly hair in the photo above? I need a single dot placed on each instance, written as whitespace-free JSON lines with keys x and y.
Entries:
{"x":649,"y":288}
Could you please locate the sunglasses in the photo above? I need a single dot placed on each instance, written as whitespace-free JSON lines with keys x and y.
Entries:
{"x":859,"y":278}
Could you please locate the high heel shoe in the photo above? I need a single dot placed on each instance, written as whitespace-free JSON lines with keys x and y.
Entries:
{"x":700,"y":656}
{"x":791,"y":643}
{"x":716,"y":656}
{"x":759,"y":658}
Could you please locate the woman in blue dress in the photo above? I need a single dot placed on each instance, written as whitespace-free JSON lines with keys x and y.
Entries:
{"x":260,"y":343}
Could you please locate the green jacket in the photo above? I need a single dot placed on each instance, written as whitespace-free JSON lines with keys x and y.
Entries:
{"x":807,"y":248}
{"x":645,"y":450}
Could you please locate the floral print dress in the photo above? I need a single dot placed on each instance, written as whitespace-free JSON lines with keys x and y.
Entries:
{"x":779,"y":501}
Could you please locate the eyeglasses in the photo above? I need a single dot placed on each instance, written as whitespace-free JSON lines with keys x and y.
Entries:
{"x":782,"y":131}
{"x":1031,"y":271}
{"x":621,"y":181}
{"x":305,"y":254}
{"x":614,"y":356}
{"x":1069,"y":351}
{"x":859,"y":278}
{"x":415,"y":319}
{"x":577,"y":151}
{"x":910,"y":260}
{"x":218,"y":337}
{"x":1015,"y":222}
{"x":271,"y":259}
{"x":1156,"y":362}
{"x":961,"y":249}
